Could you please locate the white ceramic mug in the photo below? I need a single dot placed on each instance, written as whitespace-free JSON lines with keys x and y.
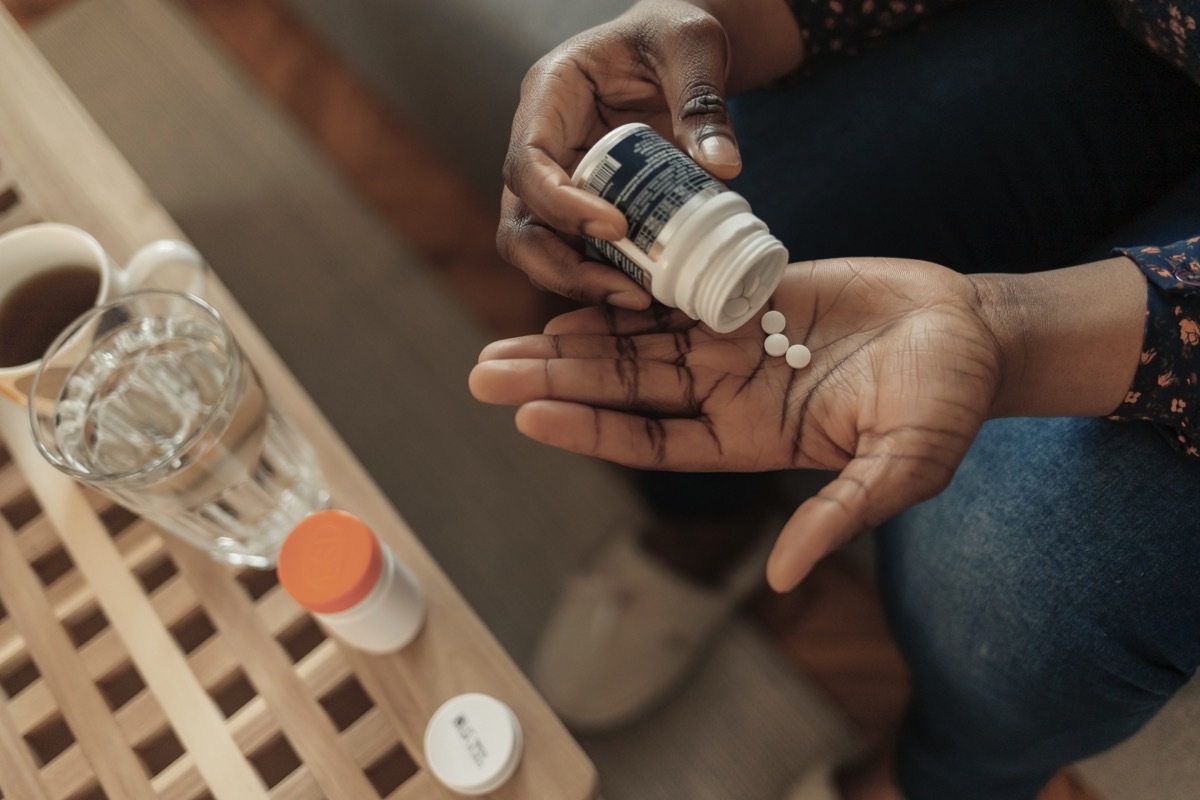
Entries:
{"x":35,"y":249}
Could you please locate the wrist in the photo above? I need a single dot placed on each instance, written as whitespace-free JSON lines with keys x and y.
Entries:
{"x":1069,"y":339}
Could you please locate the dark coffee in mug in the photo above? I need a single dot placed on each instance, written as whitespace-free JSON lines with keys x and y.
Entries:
{"x":39,"y":308}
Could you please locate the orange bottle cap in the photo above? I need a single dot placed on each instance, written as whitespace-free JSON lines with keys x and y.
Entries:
{"x":330,"y":562}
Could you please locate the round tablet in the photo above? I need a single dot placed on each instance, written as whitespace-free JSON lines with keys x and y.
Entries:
{"x":736,"y":306}
{"x":752,"y":284}
{"x":798,"y":356}
{"x":738,"y":289}
{"x":773,"y":322}
{"x":776,"y":344}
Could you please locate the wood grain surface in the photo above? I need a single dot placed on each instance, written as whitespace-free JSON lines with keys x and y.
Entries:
{"x":61,"y":168}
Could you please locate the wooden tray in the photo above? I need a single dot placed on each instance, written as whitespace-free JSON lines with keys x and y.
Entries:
{"x":132,"y":665}
{"x":89,"y":709}
{"x":77,"y":716}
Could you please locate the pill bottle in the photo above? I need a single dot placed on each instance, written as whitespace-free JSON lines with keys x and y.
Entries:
{"x":692,"y":243}
{"x":333,"y":565}
{"x":473,"y":744}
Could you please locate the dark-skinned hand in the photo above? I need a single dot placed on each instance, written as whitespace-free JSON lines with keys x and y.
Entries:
{"x":663,"y":62}
{"x":904,"y":372}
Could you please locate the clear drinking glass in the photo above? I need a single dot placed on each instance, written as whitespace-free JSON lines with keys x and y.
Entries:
{"x":151,"y":401}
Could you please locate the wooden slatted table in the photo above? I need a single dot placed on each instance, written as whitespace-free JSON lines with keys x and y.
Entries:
{"x":133,"y":666}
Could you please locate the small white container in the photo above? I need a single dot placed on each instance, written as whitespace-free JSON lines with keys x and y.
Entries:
{"x":473,"y":744}
{"x":692,"y":243}
{"x":333,"y":565}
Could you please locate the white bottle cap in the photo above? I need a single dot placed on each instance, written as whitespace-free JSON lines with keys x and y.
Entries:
{"x":473,"y":744}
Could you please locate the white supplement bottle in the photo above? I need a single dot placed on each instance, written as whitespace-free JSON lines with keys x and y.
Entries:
{"x":473,"y":744}
{"x":333,"y":565}
{"x":693,"y":244}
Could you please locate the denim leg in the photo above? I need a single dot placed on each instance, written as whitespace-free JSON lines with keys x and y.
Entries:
{"x":1011,"y":135}
{"x":1048,"y":603}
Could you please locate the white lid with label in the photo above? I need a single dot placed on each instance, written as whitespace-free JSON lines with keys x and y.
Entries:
{"x":473,"y":744}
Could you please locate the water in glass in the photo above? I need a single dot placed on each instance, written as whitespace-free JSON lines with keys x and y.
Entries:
{"x":175,"y":424}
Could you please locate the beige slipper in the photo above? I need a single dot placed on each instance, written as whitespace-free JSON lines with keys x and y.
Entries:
{"x":625,"y":633}
{"x":817,"y":784}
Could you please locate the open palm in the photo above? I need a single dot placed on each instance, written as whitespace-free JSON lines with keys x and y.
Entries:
{"x":903,"y":374}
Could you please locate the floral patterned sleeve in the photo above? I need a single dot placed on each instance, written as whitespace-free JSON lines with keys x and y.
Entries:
{"x":1171,"y":28}
{"x":846,"y":26}
{"x":1165,"y":388}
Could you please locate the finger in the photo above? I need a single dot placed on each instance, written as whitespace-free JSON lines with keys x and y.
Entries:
{"x":552,"y":264}
{"x":888,"y":474}
{"x":666,"y":347}
{"x":620,"y":322}
{"x":548,"y":191}
{"x":552,"y":122}
{"x":647,"y":387}
{"x":693,"y":81}
{"x":675,"y":444}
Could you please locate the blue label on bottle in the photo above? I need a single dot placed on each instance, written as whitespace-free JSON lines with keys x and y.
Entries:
{"x":604,"y":251}
{"x":649,"y":180}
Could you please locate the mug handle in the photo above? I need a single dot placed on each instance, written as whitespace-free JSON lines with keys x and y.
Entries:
{"x":167,"y":264}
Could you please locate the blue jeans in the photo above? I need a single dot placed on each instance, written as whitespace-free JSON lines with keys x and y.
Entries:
{"x":1048,"y":602}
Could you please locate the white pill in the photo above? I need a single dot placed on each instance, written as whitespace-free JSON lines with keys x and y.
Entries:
{"x":798,"y":356}
{"x":736,"y":306}
{"x":773,"y":322}
{"x":752,"y":285}
{"x":738,"y":289}
{"x":776,"y":344}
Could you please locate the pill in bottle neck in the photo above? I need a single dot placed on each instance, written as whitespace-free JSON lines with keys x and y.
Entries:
{"x":692,"y":243}
{"x":334,"y":566}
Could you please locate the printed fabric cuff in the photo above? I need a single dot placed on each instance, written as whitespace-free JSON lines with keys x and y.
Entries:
{"x":846,"y":26}
{"x":1165,"y":388}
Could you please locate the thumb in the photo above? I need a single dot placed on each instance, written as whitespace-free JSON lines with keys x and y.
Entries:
{"x":887,"y":475}
{"x":693,"y":82}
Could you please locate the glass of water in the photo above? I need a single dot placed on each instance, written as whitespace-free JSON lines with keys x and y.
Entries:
{"x":151,"y":401}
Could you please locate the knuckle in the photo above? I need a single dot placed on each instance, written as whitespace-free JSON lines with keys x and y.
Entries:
{"x":518,"y":161}
{"x":704,"y":101}
{"x":512,"y":167}
{"x":509,"y":168}
{"x":627,"y":379}
{"x":534,"y":252}
{"x":558,"y":283}
{"x":535,"y":76}
{"x":551,"y":68}
{"x":699,"y":30}
{"x":514,"y":242}
{"x":550,"y":262}
{"x":692,"y":32}
{"x":504,"y":239}
{"x":703,"y":42}
{"x":512,"y":228}
{"x":643,"y":40}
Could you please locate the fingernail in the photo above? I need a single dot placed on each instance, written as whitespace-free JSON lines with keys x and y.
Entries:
{"x":719,"y":149}
{"x":630,"y":301}
{"x":598,"y":229}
